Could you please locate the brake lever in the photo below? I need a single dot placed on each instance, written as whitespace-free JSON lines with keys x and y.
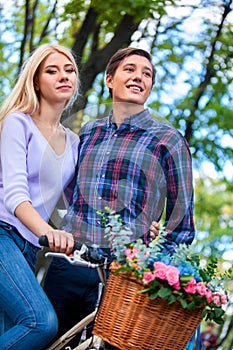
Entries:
{"x":72,"y":260}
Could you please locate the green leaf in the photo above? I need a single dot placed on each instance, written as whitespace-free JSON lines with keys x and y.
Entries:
{"x":171,"y":299}
{"x":185,"y":279}
{"x":154,"y":295}
{"x":219,"y":312}
{"x":191,"y":306}
{"x":184,"y":304}
{"x":164,"y":292}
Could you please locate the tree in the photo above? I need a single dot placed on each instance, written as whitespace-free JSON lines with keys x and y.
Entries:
{"x":214,"y":213}
{"x":194,"y":62}
{"x":191,"y":45}
{"x":214,"y":226}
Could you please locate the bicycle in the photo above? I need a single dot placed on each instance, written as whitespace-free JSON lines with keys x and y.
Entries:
{"x":89,"y":257}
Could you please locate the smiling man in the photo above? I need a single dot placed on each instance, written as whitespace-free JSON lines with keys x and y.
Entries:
{"x":133,"y":164}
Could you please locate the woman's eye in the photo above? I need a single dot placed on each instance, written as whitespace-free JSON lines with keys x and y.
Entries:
{"x":70,"y":70}
{"x":51,"y":71}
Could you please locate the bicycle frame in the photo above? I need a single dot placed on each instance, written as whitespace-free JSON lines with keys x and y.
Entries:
{"x":93,"y":342}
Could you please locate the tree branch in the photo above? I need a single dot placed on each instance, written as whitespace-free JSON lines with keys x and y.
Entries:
{"x":98,"y":60}
{"x":25,"y":33}
{"x":210,"y":72}
{"x":45,"y":29}
{"x":81,"y":37}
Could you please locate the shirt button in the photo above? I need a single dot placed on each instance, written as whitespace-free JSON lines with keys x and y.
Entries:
{"x":108,"y":152}
{"x":115,"y":135}
{"x":99,"y":197}
{"x":103,"y":175}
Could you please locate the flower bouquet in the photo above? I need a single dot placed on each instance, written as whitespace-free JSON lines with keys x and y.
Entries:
{"x":155,"y":300}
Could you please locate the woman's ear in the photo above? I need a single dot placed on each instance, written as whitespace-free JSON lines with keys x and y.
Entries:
{"x":36,"y":84}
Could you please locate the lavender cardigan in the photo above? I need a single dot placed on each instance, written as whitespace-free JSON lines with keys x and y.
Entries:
{"x":30,"y":170}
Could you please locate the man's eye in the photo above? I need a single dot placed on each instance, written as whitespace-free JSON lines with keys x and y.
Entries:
{"x":147,"y":74}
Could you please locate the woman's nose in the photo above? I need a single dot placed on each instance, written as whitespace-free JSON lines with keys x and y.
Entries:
{"x":63,"y":75}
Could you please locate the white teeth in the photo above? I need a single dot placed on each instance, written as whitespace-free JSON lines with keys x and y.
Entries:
{"x":135,"y":88}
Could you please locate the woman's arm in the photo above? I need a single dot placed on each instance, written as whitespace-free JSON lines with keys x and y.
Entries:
{"x":16,"y":159}
{"x":59,"y":240}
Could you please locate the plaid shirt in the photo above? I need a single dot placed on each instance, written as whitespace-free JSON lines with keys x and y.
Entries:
{"x":137,"y":170}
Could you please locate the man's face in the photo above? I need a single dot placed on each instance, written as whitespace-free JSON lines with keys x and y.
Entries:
{"x":132,"y":81}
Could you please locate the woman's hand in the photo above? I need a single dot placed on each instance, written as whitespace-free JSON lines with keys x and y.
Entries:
{"x":154,"y":230}
{"x":60,"y":241}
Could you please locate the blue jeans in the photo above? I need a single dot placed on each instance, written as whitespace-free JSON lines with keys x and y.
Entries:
{"x":27,"y":318}
{"x":195,"y":342}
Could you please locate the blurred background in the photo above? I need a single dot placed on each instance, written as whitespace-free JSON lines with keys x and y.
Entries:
{"x":191,"y":43}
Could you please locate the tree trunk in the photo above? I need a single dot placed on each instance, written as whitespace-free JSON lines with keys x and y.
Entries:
{"x":98,"y":60}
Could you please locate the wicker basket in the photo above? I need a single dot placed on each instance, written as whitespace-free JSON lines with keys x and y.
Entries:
{"x":130,"y":320}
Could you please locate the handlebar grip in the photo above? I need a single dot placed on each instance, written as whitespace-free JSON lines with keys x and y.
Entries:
{"x":43,"y":241}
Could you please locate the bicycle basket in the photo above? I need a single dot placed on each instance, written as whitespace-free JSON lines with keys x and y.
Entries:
{"x":130,"y":320}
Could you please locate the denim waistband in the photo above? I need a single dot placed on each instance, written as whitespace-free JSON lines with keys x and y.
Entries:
{"x":7,"y":226}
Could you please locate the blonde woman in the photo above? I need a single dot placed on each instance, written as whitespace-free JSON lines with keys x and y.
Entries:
{"x":38,"y":159}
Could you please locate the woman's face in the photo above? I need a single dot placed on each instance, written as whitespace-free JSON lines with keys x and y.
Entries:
{"x":57,"y":79}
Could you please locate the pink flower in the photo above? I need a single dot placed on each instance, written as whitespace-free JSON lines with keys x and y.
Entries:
{"x":172,"y":275}
{"x":131,"y":253}
{"x":216,"y":299}
{"x":160,"y":270}
{"x":148,"y":277}
{"x":209,"y":296}
{"x":159,"y":265}
{"x":177,"y":286}
{"x":201,"y":289}
{"x":223,"y":299}
{"x":135,"y":250}
{"x":191,"y":286}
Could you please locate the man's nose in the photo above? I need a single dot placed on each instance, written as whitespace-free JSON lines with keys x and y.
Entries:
{"x":137,"y":75}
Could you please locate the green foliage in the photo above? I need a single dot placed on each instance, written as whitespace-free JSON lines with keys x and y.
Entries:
{"x":210,"y":270}
{"x":112,"y":10}
{"x":213,"y":216}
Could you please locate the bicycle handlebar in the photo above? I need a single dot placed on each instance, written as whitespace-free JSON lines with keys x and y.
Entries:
{"x":88,"y":256}
{"x":43,"y":241}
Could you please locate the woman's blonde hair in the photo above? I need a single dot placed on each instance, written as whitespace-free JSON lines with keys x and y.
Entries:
{"x":24,"y":97}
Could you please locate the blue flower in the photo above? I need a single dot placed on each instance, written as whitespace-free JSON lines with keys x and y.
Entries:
{"x":186,"y":269}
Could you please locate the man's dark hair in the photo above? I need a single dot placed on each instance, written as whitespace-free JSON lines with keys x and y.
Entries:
{"x":121,"y":54}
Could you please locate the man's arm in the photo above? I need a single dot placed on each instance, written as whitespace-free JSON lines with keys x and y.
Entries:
{"x":179,"y":221}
